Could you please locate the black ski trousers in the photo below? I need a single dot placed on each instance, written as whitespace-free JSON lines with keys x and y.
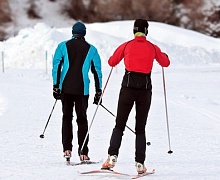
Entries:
{"x":81,"y":104}
{"x":127,"y":98}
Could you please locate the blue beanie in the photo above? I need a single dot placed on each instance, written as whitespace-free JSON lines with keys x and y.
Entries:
{"x":79,"y":29}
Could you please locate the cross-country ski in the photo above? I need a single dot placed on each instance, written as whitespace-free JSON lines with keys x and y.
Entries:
{"x":83,"y":163}
{"x":103,"y":171}
{"x":143,"y":174}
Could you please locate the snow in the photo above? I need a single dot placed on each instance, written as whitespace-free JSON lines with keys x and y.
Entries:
{"x":193,"y":97}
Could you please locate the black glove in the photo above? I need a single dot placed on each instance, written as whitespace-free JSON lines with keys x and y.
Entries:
{"x":56,"y":93}
{"x":97,"y":96}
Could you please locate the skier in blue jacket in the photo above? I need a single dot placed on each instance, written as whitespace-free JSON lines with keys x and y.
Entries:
{"x":71,"y":64}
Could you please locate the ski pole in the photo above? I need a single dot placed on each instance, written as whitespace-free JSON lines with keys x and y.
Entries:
{"x":148,"y":143}
{"x":42,"y":135}
{"x":115,"y":116}
{"x":87,"y":134}
{"x":165,"y":100}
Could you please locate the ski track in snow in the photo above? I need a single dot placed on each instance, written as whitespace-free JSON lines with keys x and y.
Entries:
{"x":208,"y":114}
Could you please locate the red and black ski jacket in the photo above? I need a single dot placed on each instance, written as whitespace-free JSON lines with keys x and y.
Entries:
{"x":139,"y":55}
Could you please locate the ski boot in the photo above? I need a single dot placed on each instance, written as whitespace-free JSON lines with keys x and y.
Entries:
{"x":140,"y":168}
{"x":110,"y":162}
{"x":67,"y":155}
{"x":84,"y":158}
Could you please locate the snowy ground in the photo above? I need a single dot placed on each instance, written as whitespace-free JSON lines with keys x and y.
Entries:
{"x":193,"y":94}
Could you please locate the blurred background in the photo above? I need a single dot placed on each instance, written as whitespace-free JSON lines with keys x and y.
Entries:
{"x":199,"y":15}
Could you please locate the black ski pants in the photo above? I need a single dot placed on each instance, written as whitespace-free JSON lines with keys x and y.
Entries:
{"x":81,"y":104}
{"x":127,"y":98}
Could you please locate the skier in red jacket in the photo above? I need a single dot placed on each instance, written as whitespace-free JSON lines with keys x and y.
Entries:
{"x":138,"y":55}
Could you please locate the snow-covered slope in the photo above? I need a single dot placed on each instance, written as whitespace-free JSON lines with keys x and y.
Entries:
{"x":183,"y":46}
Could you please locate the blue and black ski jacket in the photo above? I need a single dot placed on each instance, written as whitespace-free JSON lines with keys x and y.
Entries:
{"x":71,"y":64}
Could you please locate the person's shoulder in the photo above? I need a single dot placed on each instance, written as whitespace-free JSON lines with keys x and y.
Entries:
{"x":92,"y":47}
{"x":126,"y":43}
{"x":61,"y":43}
{"x":154,"y":45}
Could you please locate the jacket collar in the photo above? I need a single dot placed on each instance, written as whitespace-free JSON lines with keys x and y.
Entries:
{"x":137,"y":34}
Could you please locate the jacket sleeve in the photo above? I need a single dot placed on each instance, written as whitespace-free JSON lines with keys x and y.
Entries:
{"x":97,"y":70}
{"x":57,"y":63}
{"x":117,"y":56}
{"x":161,"y":57}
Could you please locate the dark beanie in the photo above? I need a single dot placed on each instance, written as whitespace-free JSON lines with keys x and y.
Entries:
{"x":141,"y":25}
{"x":79,"y":29}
